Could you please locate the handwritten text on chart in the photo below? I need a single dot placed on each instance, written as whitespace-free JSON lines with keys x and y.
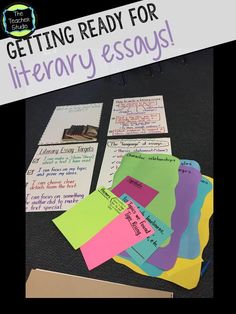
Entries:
{"x":138,"y":116}
{"x":58,"y":177}
{"x":116,"y":149}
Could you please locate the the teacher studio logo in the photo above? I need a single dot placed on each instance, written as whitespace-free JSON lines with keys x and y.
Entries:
{"x":19,"y":20}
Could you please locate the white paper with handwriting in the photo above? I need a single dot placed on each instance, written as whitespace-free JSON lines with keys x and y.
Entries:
{"x":59,"y":176}
{"x":116,"y":149}
{"x":135,"y":116}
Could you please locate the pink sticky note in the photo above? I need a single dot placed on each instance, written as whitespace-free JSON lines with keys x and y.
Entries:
{"x":127,"y":229}
{"x":140,"y":192}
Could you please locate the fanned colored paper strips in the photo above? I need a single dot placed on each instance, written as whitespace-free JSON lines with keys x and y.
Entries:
{"x":186,"y":272}
{"x":154,"y":219}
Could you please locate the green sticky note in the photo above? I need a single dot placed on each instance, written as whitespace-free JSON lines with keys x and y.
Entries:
{"x":160,"y":171}
{"x":89,"y":216}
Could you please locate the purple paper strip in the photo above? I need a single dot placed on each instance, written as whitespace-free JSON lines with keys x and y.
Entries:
{"x":186,"y":192}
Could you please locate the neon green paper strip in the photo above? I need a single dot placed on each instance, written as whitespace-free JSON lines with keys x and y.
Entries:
{"x":89,"y":216}
{"x":160,"y":171}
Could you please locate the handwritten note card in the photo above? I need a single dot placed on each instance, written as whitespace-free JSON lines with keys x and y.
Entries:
{"x":144,"y":249}
{"x":74,"y":123}
{"x":139,"y":191}
{"x":116,"y":149}
{"x":124,"y":231}
{"x":141,"y":115}
{"x":59,"y":176}
{"x":84,"y":220}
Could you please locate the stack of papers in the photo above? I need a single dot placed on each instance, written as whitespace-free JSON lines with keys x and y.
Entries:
{"x":154,"y":218}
